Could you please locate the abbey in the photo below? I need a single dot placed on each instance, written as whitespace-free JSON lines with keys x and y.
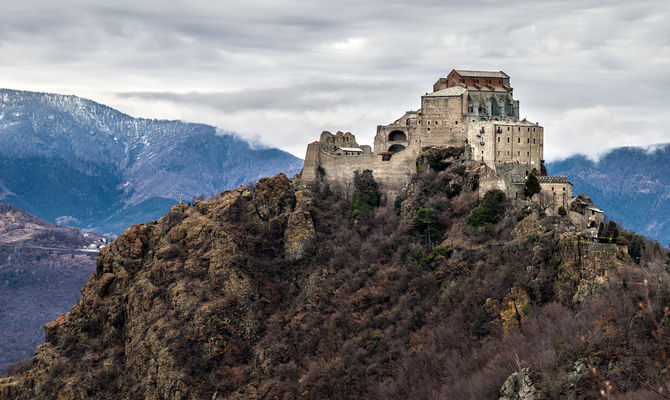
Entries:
{"x":471,"y":109}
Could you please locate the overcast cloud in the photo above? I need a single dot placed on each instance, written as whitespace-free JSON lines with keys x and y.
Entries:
{"x":593,"y":72}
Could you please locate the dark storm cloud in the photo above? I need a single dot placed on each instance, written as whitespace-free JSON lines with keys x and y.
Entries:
{"x":297,"y":67}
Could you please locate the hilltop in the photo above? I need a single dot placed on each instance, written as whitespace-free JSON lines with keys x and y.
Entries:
{"x":283,"y":290}
{"x":72,"y":161}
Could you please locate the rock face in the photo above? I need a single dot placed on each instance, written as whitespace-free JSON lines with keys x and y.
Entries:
{"x":175,"y":306}
{"x":515,"y":307}
{"x":585,"y":265}
{"x":518,"y":387}
{"x":300,"y":231}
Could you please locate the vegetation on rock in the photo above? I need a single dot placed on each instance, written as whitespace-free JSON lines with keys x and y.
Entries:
{"x":207,"y":304}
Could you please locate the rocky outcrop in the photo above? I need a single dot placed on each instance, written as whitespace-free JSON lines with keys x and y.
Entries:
{"x":300,"y":231}
{"x":175,"y":306}
{"x":518,"y":387}
{"x":585,"y":265}
{"x":515,"y":307}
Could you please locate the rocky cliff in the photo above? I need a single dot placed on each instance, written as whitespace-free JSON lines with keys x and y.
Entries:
{"x":276,"y":291}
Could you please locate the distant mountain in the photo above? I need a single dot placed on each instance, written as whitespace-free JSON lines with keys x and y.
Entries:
{"x":42,"y":269}
{"x":631,"y":184}
{"x":79,"y":163}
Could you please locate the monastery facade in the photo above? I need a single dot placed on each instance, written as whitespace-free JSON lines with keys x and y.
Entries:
{"x":471,"y":109}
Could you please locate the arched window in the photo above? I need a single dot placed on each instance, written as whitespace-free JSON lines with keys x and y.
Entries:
{"x":397,"y":136}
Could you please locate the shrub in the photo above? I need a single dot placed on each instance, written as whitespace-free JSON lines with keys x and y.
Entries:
{"x":635,"y":247}
{"x":425,"y":223}
{"x":366,"y":194}
{"x":532,"y":186}
{"x":491,"y":211}
{"x":480,"y":327}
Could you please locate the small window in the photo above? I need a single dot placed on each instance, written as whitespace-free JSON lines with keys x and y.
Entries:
{"x":552,"y":188}
{"x":508,"y":129}
{"x":449,"y":129}
{"x":564,"y":189}
{"x":455,"y":122}
{"x":428,"y":129}
{"x":528,"y":129}
{"x":498,"y":139}
{"x":528,"y":153}
{"x":507,"y":139}
{"x":528,"y":140}
{"x":445,"y":122}
{"x":428,"y":122}
{"x":533,"y":140}
{"x":508,"y":153}
{"x":519,"y":129}
{"x":518,"y":153}
{"x":518,"y":140}
{"x":533,"y":129}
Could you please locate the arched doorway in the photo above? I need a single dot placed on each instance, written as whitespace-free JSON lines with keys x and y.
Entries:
{"x":396,"y":148}
{"x":397,"y":136}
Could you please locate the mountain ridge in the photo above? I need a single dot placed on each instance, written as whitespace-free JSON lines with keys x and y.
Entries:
{"x":110,"y":161}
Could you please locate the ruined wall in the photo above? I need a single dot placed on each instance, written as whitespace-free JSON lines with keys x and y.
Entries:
{"x":392,"y":175}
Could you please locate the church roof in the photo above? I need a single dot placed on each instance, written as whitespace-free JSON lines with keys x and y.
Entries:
{"x":482,"y":74}
{"x":452,"y":91}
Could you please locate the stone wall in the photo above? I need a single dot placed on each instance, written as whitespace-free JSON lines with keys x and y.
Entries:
{"x":441,"y":120}
{"x":392,"y":176}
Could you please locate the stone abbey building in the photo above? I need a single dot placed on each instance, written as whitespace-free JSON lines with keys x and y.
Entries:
{"x":471,"y":109}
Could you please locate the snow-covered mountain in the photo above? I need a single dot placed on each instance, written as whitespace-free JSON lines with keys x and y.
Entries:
{"x":76,"y":162}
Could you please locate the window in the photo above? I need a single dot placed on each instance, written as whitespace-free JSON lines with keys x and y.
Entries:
{"x":498,"y":152}
{"x":507,"y":139}
{"x":445,"y":122}
{"x":528,"y":129}
{"x":428,"y":129}
{"x":508,"y":153}
{"x":449,"y":129}
{"x":518,"y":153}
{"x":527,"y":140}
{"x":437,"y":122}
{"x":498,"y":139}
{"x":455,"y":122}
{"x":428,"y":122}
{"x":508,"y":129}
{"x":533,"y":140}
{"x":519,"y":129}
{"x":528,"y":153}
{"x":518,"y":140}
{"x":533,"y":129}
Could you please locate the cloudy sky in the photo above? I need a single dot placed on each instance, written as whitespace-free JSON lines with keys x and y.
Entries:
{"x":595,"y":73}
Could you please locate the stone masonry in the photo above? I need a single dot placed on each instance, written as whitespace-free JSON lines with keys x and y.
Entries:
{"x":472,"y":109}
